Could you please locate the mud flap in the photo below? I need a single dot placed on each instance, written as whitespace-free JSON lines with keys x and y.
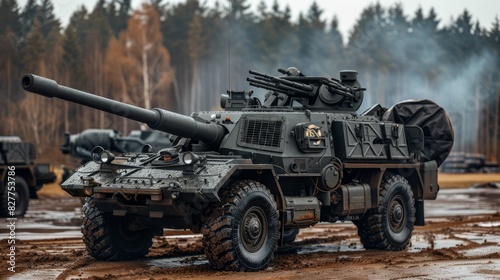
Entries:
{"x":419,"y":213}
{"x":429,"y":173}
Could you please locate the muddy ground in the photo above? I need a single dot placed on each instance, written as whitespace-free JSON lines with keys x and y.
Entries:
{"x":460,"y":241}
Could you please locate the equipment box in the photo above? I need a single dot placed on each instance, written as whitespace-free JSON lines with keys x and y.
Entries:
{"x":363,"y":140}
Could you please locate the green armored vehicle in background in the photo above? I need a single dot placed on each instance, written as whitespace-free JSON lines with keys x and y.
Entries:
{"x":246,"y":176}
{"x":20,"y":177}
{"x":80,"y":145}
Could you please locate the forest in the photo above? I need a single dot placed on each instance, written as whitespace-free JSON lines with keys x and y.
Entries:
{"x":182,"y":56}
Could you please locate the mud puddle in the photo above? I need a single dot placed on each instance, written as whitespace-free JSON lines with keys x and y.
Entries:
{"x":60,"y":217}
{"x":464,"y":202}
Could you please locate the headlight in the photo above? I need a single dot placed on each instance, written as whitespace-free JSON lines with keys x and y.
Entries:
{"x":106,"y":157}
{"x":189,"y":158}
{"x":96,"y":153}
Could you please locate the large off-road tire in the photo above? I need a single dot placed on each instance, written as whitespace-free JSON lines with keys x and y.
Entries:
{"x":109,"y":238}
{"x":290,"y":235}
{"x":242,"y":233}
{"x":21,"y":198}
{"x":389,"y":226}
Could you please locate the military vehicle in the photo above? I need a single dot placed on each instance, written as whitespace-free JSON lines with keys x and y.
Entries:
{"x":20,"y":177}
{"x":247,"y":176}
{"x":80,"y":145}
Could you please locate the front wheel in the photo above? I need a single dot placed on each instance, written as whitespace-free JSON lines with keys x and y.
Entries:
{"x":110,"y":238}
{"x":390,"y":225}
{"x":15,"y":201}
{"x":242,"y":233}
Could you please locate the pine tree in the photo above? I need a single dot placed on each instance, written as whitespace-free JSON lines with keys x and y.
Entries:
{"x":317,"y":43}
{"x":118,"y":17}
{"x":175,"y":30}
{"x":241,"y":29}
{"x":277,"y":43}
{"x":9,"y":59}
{"x":196,"y":46}
{"x":9,"y":16}
{"x":72,"y":56}
{"x":458,"y":38}
{"x":214,"y":61}
{"x":32,"y":55}
{"x":335,"y":48}
{"x":28,"y":17}
{"x":50,"y":29}
{"x":364,"y":51}
{"x":493,"y":88}
{"x":79,"y":22}
{"x":33,"y":49}
{"x":71,"y":66}
{"x":48,"y":22}
{"x":96,"y":43}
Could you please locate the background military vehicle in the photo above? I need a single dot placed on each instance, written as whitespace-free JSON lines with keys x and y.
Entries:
{"x":19,"y":156}
{"x":245,"y":175}
{"x":460,"y":162}
{"x":80,"y":145}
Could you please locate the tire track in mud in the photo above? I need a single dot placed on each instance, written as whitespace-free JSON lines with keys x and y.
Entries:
{"x":447,"y":242}
{"x":336,"y":247}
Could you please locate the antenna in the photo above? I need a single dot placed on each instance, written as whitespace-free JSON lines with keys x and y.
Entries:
{"x":229,"y":44}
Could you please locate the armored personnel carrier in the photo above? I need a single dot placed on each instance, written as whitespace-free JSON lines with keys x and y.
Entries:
{"x":80,"y":145}
{"x":247,"y":176}
{"x":20,"y":177}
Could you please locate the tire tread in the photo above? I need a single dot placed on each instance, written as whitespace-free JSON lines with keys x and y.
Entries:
{"x":218,"y":236}
{"x":371,"y":228}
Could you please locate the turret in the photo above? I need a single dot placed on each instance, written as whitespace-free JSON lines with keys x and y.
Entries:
{"x":309,"y":92}
{"x":157,"y":119}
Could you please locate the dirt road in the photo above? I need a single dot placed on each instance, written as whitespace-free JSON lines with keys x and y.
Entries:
{"x":460,"y":241}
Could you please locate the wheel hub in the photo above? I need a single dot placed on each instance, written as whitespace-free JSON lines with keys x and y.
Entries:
{"x":397,"y":213}
{"x":397,"y":219}
{"x":253,"y":229}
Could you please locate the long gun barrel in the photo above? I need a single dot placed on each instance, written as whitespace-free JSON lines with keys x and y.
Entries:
{"x":157,"y":119}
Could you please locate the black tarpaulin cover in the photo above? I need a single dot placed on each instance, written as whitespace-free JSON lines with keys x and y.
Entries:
{"x":434,"y":121}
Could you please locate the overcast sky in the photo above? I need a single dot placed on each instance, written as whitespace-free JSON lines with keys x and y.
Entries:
{"x":346,"y":11}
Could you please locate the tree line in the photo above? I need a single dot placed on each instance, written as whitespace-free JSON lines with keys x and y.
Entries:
{"x":182,"y":56}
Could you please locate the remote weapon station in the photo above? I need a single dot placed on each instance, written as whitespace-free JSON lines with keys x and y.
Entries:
{"x":250,"y":176}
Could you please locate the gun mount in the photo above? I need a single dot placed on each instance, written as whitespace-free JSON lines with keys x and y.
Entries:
{"x":262,"y":170}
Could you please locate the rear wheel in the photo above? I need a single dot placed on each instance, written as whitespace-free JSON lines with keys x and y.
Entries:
{"x":18,"y":199}
{"x":242,"y":233}
{"x":110,"y":238}
{"x":390,"y":225}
